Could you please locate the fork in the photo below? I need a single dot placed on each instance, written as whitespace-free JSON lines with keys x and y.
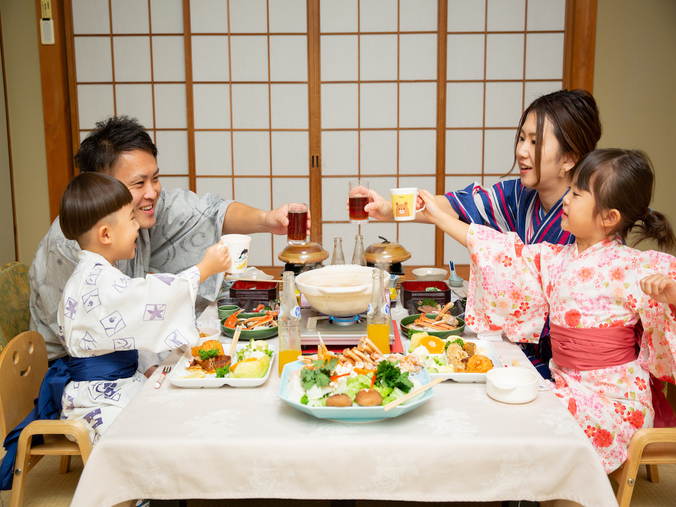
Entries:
{"x":165,"y":370}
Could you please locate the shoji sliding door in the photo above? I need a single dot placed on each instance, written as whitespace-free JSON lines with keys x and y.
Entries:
{"x":390,"y":91}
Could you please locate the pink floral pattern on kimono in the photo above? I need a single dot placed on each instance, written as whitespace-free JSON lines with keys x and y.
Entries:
{"x":513,"y":287}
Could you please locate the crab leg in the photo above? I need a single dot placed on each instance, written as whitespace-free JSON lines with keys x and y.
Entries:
{"x":446,"y":308}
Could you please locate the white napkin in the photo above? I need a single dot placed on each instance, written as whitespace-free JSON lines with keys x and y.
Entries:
{"x":491,"y":336}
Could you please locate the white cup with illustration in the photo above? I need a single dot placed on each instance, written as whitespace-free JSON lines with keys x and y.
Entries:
{"x":238,"y":247}
{"x":404,"y":202}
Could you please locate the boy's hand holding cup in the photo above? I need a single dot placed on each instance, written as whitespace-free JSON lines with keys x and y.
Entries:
{"x":216,"y":260}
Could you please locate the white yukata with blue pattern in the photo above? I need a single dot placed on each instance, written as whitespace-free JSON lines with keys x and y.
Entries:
{"x":103,"y":311}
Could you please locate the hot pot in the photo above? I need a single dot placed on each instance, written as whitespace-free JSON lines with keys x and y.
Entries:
{"x":340,"y":291}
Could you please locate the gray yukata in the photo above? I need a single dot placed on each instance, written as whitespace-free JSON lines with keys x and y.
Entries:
{"x":185,"y":226}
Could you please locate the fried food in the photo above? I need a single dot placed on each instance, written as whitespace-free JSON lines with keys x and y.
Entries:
{"x":478,"y":364}
{"x":454,"y":356}
{"x":368,"y":398}
{"x":338,"y":400}
{"x":208,"y":345}
{"x":470,"y":348}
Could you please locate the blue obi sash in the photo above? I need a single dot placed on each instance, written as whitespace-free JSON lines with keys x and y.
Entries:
{"x":112,"y":366}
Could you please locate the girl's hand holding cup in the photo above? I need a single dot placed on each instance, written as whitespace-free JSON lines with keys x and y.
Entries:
{"x":431,"y":211}
{"x":660,"y":288}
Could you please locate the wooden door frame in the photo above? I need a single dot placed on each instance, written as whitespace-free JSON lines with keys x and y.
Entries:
{"x":61,"y":113}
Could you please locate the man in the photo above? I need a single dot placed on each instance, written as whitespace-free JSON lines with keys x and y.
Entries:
{"x":176,"y":226}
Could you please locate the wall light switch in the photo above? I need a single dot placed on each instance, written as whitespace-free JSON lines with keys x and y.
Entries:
{"x":47,"y":31}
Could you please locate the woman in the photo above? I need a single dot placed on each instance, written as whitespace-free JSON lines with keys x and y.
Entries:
{"x":553,"y":133}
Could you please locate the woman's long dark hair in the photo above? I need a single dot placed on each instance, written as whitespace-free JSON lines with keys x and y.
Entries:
{"x":575,"y":123}
{"x":624,"y":180}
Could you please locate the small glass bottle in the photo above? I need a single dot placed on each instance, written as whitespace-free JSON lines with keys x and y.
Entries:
{"x":378,"y":318}
{"x":358,"y":256}
{"x":337,"y":257}
{"x":289,"y":323}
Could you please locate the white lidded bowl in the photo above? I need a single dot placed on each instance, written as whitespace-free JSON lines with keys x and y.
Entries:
{"x":341,"y":291}
{"x":430,"y":274}
{"x":512,"y":385}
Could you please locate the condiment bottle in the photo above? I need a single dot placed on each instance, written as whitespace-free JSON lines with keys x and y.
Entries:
{"x":378,"y":318}
{"x":288,"y":323}
{"x":337,"y":257}
{"x":358,"y":256}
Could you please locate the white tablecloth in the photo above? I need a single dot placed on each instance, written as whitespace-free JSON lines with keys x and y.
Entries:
{"x":172,"y":443}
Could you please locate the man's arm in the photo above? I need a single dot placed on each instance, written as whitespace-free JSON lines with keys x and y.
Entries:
{"x":243,"y":219}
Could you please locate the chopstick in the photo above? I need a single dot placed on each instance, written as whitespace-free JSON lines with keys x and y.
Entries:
{"x":410,"y":395}
{"x":235,"y":339}
{"x":516,"y":362}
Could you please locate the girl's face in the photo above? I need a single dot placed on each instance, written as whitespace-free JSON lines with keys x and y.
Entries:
{"x":551,"y":160}
{"x":581,"y":219}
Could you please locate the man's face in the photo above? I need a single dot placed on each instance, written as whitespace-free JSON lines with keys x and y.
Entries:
{"x":138,"y":170}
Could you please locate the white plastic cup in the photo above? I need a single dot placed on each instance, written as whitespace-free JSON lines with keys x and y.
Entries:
{"x":238,"y":247}
{"x":404,"y":202}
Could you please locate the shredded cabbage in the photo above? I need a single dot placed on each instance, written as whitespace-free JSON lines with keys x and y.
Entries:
{"x":356,"y":384}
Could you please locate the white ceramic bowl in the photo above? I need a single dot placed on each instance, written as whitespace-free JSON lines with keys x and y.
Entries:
{"x":430,"y":274}
{"x":211,"y":332}
{"x":512,"y":385}
{"x":340,"y":291}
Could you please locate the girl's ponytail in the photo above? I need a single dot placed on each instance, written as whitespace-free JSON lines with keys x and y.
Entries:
{"x":656,"y":226}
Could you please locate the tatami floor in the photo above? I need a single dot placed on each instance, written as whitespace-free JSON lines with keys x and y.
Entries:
{"x":47,"y":488}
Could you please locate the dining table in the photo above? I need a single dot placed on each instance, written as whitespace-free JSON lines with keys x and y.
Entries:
{"x":247,"y":443}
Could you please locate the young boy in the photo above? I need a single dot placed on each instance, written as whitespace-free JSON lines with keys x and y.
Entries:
{"x":105,"y":317}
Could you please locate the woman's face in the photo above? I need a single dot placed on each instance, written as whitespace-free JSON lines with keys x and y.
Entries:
{"x":551,"y":160}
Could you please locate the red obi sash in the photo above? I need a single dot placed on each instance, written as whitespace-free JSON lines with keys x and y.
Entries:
{"x":594,"y":348}
{"x":597,"y":348}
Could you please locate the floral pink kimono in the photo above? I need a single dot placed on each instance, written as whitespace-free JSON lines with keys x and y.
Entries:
{"x":606,"y":386}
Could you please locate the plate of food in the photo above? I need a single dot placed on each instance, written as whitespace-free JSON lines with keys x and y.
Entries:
{"x":255,"y":326}
{"x":455,"y":358}
{"x":353,"y":387}
{"x":206,"y":365}
{"x":441,"y":325}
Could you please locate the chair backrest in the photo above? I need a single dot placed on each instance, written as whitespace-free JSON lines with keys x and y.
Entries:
{"x":23,"y":365}
{"x":14,"y":295}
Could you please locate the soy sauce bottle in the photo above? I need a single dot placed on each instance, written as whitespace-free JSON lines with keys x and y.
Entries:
{"x":337,"y":257}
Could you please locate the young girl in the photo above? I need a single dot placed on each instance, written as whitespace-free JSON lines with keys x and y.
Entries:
{"x":105,"y":317}
{"x":553,"y":133}
{"x":602,"y":297}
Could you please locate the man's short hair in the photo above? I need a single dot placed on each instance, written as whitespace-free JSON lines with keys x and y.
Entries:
{"x":88,"y":198}
{"x":110,"y":138}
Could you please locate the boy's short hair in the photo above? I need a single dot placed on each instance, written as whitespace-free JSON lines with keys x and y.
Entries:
{"x":88,"y":198}
{"x":110,"y":138}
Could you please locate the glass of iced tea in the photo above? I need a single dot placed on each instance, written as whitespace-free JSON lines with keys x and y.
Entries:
{"x":358,"y":198}
{"x":297,"y":230}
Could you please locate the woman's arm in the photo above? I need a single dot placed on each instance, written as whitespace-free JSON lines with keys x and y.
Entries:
{"x":381,"y":208}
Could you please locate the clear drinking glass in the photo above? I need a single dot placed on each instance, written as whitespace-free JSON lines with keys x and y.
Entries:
{"x":358,"y":198}
{"x":297,"y":230}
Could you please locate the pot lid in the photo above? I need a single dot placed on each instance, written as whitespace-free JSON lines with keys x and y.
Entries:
{"x":309,"y":253}
{"x":386,"y":252}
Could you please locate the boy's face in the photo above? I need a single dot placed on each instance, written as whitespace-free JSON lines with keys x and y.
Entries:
{"x":138,"y":170}
{"x":124,"y":231}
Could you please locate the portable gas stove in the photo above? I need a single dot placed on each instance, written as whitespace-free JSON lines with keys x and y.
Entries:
{"x":337,"y":332}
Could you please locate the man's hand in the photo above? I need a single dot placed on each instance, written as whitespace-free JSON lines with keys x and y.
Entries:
{"x":277,"y":220}
{"x":660,"y":288}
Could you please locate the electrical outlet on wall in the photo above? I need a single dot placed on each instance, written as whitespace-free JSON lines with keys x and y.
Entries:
{"x":47,"y":31}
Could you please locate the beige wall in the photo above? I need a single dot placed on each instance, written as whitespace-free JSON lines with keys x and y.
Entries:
{"x":635,"y":85}
{"x":24,"y":96}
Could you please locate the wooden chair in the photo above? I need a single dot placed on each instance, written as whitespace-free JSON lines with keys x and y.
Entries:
{"x":23,"y":364}
{"x":650,"y":447}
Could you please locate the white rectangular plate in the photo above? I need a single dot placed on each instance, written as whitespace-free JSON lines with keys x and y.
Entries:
{"x":210,"y":380}
{"x":490,"y":352}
